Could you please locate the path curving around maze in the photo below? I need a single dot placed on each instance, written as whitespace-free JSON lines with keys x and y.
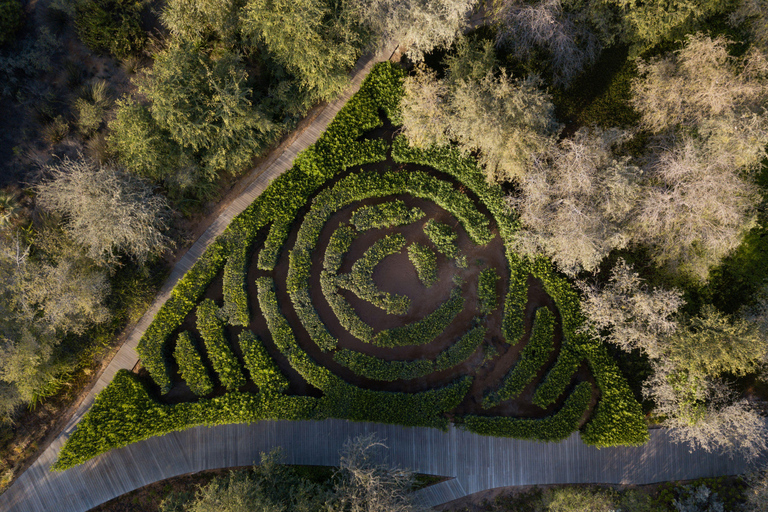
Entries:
{"x":474,"y":463}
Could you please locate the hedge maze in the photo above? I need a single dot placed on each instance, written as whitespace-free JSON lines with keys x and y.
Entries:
{"x":381,"y":293}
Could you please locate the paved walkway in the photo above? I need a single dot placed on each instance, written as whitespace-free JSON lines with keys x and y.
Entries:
{"x":476,"y":462}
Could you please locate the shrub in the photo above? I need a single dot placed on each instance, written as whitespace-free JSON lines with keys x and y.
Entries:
{"x":360,"y":279}
{"x":385,"y":215}
{"x":425,"y":262}
{"x":552,"y":428}
{"x":235,"y":295}
{"x":222,"y":358}
{"x":11,"y":17}
{"x":264,"y":372}
{"x":111,"y":25}
{"x":486,"y":291}
{"x":338,"y":245}
{"x":532,"y":358}
{"x":191,"y":366}
{"x":443,"y":236}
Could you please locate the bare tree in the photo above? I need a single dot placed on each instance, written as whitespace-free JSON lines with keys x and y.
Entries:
{"x":576,"y":201}
{"x":564,"y":35}
{"x":420,"y":25}
{"x":369,"y":486}
{"x":107,"y":210}
{"x":635,"y":316}
{"x":424,"y":108}
{"x":698,"y":210}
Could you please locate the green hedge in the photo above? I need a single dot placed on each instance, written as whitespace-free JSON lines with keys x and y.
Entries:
{"x":345,"y":313}
{"x":124,"y":413}
{"x":486,"y":291}
{"x":191,"y":366}
{"x":343,"y":400}
{"x":443,"y":236}
{"x":235,"y":307}
{"x":532,"y":358}
{"x":222,"y":358}
{"x":553,"y":428}
{"x":425,"y":262}
{"x":378,"y":369}
{"x":338,"y":246}
{"x":264,"y":372}
{"x":558,"y":377}
{"x":385,"y":215}
{"x":360,"y":280}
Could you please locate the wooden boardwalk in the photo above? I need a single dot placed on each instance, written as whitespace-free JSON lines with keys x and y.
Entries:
{"x":476,"y":462}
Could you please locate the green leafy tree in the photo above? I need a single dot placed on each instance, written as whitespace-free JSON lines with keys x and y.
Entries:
{"x":193,"y":20}
{"x":107,"y":211}
{"x":316,"y":41}
{"x":204,"y":102}
{"x":111,"y":25}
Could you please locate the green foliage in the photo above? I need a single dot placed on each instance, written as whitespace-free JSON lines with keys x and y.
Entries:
{"x":425,"y":262}
{"x":552,"y":428}
{"x":532,"y":359}
{"x":338,"y":245}
{"x":235,"y":295}
{"x":222,"y":358}
{"x":360,"y":279}
{"x":264,"y":372}
{"x":384,"y":215}
{"x":191,"y":366}
{"x":344,"y":400}
{"x":111,"y":25}
{"x":443,"y":236}
{"x":204,"y":102}
{"x":558,"y":377}
{"x":314,"y":40}
{"x":124,"y":413}
{"x":11,"y":17}
{"x":425,"y":330}
{"x":379,"y":369}
{"x":486,"y":291}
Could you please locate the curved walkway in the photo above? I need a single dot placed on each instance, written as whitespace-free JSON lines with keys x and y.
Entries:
{"x":476,"y":462}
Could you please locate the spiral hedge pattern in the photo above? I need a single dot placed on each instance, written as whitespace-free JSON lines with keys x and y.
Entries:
{"x":317,"y":217}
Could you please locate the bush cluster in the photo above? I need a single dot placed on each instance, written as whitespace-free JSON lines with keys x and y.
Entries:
{"x":264,"y":372}
{"x":235,"y":308}
{"x":222,"y":358}
{"x":343,"y":400}
{"x":111,"y":25}
{"x":552,"y":428}
{"x":425,"y":262}
{"x":532,"y":358}
{"x":11,"y":17}
{"x":360,"y":280}
{"x":379,"y":369}
{"x":486,"y":291}
{"x":385,"y":215}
{"x":124,"y":413}
{"x":191,"y":366}
{"x":443,"y":236}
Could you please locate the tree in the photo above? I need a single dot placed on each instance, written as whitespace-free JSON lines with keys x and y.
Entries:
{"x":697,"y":211}
{"x":650,"y":22}
{"x":368,"y":486}
{"x":577,"y":200}
{"x":687,"y":386}
{"x":194,"y":20}
{"x":753,"y":15}
{"x":107,"y":210}
{"x":508,"y":121}
{"x":111,"y":25}
{"x":702,"y":198}
{"x":419,"y":25}
{"x":314,"y":40}
{"x":634,"y":316}
{"x":565,"y":37}
{"x":204,"y":102}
